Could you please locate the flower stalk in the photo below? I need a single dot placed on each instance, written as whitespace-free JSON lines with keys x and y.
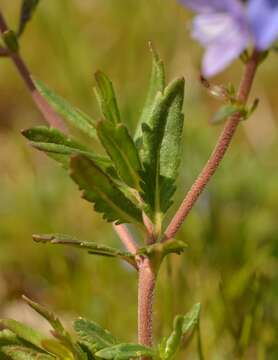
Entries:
{"x":218,"y":153}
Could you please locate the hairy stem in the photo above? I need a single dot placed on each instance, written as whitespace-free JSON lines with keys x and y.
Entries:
{"x":126,"y":237}
{"x":49,"y":114}
{"x":146,"y":285}
{"x":218,"y":152}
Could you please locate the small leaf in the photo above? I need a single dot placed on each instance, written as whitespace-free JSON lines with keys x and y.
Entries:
{"x":101,"y":190}
{"x":61,"y":147}
{"x":23,"y":332}
{"x":125,"y":351}
{"x":156,"y":84}
{"x":158,"y":251}
{"x":27,"y":9}
{"x":59,"y":331}
{"x":44,"y":312}
{"x":191,"y":319}
{"x":106,"y":97}
{"x":169,"y":347}
{"x":10,"y":40}
{"x":55,"y":348}
{"x":91,"y":247}
{"x":24,"y":353}
{"x":71,"y":114}
{"x":122,"y":151}
{"x":181,"y":326}
{"x":92,"y":335}
{"x":225,"y":112}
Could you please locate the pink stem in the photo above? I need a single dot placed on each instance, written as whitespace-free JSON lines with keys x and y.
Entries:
{"x":218,"y":152}
{"x":49,"y":114}
{"x":126,"y":237}
{"x":146,"y":286}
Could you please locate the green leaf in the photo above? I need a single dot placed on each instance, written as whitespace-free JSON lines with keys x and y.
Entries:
{"x":91,"y":247}
{"x":44,"y":312}
{"x":225,"y":112}
{"x":191,"y":319}
{"x":59,"y":331}
{"x":125,"y":351}
{"x":61,"y":147}
{"x":158,"y":251}
{"x":24,"y":353}
{"x":71,"y":114}
{"x":122,"y":151}
{"x":27,"y":9}
{"x":156,"y":84}
{"x":181,"y":326}
{"x":7,"y":337}
{"x":55,"y":348}
{"x":158,"y":134}
{"x":93,"y":336}
{"x":105,"y":95}
{"x":10,"y":40}
{"x":169,"y":347}
{"x":99,"y":189}
{"x":23,"y":332}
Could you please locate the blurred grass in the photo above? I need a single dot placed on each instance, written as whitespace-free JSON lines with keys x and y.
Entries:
{"x":232,"y":233}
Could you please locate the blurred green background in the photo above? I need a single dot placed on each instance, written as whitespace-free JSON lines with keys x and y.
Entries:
{"x":231,"y":264}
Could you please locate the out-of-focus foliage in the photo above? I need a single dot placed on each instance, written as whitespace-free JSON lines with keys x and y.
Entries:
{"x":230,"y":265}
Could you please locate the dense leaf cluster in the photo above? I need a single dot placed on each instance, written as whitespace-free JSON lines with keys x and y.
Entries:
{"x":135,"y":175}
{"x":89,"y":340}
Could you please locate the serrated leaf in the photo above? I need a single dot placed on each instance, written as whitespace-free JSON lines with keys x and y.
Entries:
{"x":23,"y":332}
{"x":93,"y":335}
{"x":59,"y":331}
{"x":106,"y":98}
{"x":181,"y":325}
{"x":24,"y":353}
{"x":125,"y":351}
{"x":27,"y":9}
{"x":122,"y":151}
{"x":55,"y":348}
{"x":44,"y":312}
{"x":158,"y":181}
{"x":156,"y":84}
{"x":99,"y":189}
{"x":61,"y":147}
{"x":70,"y":114}
{"x":91,"y":247}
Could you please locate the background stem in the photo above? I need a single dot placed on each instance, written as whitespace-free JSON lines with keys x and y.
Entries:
{"x":49,"y":114}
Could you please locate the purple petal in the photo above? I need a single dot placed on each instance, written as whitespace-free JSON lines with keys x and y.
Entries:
{"x":224,"y":38}
{"x":209,"y":6}
{"x":263,"y":16}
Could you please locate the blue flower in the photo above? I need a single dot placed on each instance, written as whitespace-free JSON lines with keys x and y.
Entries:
{"x":227,"y":27}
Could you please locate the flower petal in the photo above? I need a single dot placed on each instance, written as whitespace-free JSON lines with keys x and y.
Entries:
{"x":209,"y":6}
{"x":221,"y":52}
{"x":263,"y":16}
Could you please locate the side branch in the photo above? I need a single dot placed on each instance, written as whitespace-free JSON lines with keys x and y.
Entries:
{"x":49,"y":114}
{"x":126,"y":237}
{"x":218,"y":152}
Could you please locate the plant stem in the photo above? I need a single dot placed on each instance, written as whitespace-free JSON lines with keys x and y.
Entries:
{"x":218,"y":152}
{"x":199,"y":340}
{"x":49,"y":114}
{"x":146,"y":285}
{"x":126,"y":237}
